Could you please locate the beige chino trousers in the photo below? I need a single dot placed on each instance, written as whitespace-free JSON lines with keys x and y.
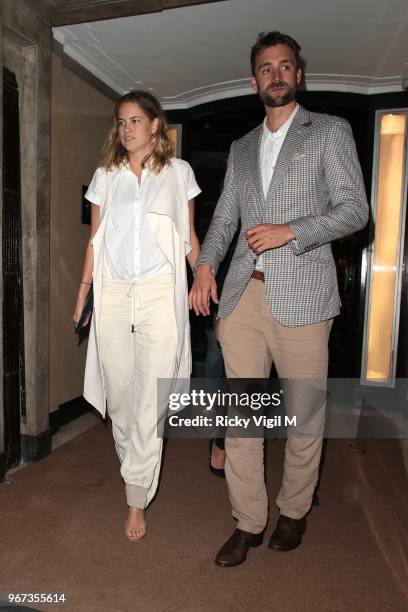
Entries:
{"x":251,"y":340}
{"x":138,"y":342}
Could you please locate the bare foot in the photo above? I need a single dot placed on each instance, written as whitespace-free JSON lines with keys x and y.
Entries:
{"x":135,"y":526}
{"x":217,"y":457}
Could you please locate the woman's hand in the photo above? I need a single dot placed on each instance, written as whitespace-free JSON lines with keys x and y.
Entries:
{"x":86,"y":283}
{"x":79,"y":306}
{"x":80,"y":302}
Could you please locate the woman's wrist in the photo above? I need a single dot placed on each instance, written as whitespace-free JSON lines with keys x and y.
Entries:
{"x":84,"y":289}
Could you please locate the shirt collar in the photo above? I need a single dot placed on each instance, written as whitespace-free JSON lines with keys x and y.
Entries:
{"x":127,"y":168}
{"x":282,"y":131}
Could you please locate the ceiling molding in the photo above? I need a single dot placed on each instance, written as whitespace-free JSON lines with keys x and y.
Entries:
{"x":353,"y":83}
{"x":82,"y":72}
{"x":106,"y":69}
{"x":116,"y":78}
{"x":198,"y":54}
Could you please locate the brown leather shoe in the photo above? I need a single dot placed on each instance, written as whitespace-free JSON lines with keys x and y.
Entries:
{"x":288,"y":533}
{"x":235,"y":549}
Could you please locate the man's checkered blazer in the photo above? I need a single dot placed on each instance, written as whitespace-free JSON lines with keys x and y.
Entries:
{"x":317,"y":187}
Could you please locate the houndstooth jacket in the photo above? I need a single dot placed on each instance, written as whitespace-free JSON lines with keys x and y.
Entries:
{"x":317,"y":188}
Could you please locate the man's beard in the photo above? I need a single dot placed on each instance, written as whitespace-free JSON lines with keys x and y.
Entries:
{"x":279,"y":100}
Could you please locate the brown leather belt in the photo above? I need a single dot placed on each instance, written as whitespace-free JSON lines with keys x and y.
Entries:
{"x":258,"y":275}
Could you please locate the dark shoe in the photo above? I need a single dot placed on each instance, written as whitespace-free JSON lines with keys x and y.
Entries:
{"x":220,"y":472}
{"x":288,"y":533}
{"x":235,"y":550}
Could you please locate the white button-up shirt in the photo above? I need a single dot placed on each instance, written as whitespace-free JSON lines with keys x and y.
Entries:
{"x":271,"y":145}
{"x":130,"y":249}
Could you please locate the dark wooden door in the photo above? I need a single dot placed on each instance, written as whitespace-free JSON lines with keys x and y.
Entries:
{"x":13,"y":319}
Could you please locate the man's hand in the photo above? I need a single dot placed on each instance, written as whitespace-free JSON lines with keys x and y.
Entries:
{"x":204,"y":288}
{"x":266,"y":236}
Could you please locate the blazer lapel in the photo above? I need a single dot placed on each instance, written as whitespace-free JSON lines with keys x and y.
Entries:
{"x":297,"y":131}
{"x":254,"y":161}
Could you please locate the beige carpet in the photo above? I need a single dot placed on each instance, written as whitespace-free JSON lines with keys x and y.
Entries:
{"x":62,"y":532}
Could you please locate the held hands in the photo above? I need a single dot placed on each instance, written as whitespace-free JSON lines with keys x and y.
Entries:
{"x":204,"y":288}
{"x":266,"y":236}
{"x":259,"y":238}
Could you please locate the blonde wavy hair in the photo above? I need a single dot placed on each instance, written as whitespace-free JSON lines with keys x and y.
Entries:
{"x":114,"y":154}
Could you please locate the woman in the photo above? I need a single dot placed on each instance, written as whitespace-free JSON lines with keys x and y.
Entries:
{"x":142,"y":227}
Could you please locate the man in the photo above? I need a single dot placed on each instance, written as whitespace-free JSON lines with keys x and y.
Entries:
{"x":295,"y":183}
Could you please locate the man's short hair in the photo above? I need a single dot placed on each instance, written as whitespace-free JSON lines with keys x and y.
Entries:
{"x":271,"y":39}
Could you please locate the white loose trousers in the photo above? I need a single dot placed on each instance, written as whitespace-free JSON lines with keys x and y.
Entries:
{"x":138,"y":345}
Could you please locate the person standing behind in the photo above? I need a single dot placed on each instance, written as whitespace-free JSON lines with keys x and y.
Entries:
{"x":296,"y":184}
{"x":141,"y":230}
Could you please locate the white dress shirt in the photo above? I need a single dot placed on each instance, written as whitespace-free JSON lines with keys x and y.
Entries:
{"x":271,"y":145}
{"x":130,"y":249}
